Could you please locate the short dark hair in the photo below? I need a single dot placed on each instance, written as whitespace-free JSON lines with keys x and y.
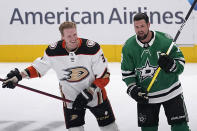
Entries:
{"x":141,"y":16}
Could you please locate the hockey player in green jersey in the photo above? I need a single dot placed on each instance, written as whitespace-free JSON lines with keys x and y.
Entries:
{"x":142,"y":54}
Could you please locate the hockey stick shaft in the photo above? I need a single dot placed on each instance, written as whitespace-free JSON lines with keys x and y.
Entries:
{"x":41,"y":92}
{"x":46,"y":94}
{"x":172,"y":44}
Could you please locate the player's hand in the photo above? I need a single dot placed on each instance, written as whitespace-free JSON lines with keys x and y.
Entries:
{"x":13,"y":77}
{"x":166,"y":63}
{"x":82,"y":99}
{"x":137,"y":94}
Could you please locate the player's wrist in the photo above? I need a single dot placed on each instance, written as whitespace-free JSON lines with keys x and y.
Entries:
{"x":24,"y":74}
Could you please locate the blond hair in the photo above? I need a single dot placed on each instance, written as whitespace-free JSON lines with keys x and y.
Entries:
{"x":66,"y":25}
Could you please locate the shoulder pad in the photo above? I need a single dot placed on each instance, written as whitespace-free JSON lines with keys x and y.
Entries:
{"x":56,"y":49}
{"x":90,"y":43}
{"x":53,"y":45}
{"x":88,"y":47}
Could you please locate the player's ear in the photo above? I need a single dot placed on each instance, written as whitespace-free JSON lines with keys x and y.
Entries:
{"x":148,"y":24}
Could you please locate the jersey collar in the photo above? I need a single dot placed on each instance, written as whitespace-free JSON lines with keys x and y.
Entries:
{"x":150,"y":43}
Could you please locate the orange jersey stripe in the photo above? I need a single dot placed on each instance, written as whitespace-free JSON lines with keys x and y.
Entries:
{"x":33,"y":72}
{"x":101,"y":82}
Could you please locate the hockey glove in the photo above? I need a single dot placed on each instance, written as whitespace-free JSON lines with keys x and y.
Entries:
{"x":137,"y":94}
{"x":167,"y":63}
{"x":13,"y":77}
{"x":82,"y":99}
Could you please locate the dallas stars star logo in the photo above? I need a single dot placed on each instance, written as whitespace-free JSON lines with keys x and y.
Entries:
{"x":147,"y":71}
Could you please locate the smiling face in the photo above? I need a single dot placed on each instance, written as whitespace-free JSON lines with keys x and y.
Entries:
{"x":71,"y":38}
{"x":141,"y":29}
{"x":68,"y":32}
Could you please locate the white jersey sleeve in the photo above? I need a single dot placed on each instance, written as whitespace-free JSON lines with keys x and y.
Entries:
{"x":42,"y":65}
{"x":99,"y":63}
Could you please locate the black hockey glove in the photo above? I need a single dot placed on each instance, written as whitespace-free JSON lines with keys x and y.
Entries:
{"x":137,"y":94}
{"x":82,"y":99}
{"x":167,"y":63}
{"x":13,"y":77}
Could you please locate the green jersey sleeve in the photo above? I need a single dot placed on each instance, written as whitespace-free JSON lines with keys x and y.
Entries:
{"x":177,"y":55}
{"x":127,"y":67}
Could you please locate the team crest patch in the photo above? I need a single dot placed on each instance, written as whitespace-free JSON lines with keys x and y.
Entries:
{"x":53,"y":45}
{"x":142,"y":118}
{"x":147,"y":71}
{"x":74,"y":117}
{"x":75,"y":74}
{"x":90,"y":43}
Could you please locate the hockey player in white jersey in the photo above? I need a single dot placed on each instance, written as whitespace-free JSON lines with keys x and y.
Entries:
{"x":83,"y":74}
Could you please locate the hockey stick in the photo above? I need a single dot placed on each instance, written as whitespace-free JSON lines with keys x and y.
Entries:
{"x":41,"y":92}
{"x":172,"y":44}
{"x":46,"y":94}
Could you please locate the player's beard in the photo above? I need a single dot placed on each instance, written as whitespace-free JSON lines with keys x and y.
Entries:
{"x":143,"y":37}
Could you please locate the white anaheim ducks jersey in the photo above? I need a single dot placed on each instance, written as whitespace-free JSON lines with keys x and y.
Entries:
{"x":75,"y":70}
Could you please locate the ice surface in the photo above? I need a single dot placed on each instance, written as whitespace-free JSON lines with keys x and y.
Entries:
{"x":22,"y":110}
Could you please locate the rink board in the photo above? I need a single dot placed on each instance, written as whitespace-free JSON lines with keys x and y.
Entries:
{"x":27,"y":53}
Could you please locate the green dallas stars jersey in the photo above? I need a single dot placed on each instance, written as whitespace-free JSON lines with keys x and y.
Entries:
{"x":139,"y":65}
